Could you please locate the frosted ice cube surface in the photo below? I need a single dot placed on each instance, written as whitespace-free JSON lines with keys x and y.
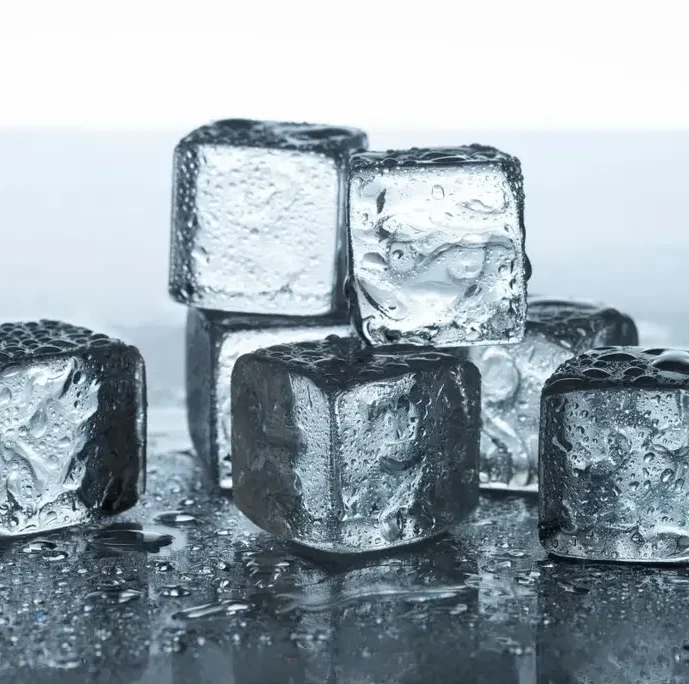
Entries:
{"x":214,"y":342}
{"x":437,"y":246}
{"x":614,"y":456}
{"x":258,"y":217}
{"x":72,"y":426}
{"x":345,"y":449}
{"x":512,"y":378}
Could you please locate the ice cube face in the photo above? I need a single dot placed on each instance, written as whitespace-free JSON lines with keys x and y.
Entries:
{"x":72,"y":426}
{"x":436,"y":241}
{"x":345,"y":449}
{"x":512,"y":378}
{"x":614,"y":454}
{"x":258,"y":217}
{"x":214,"y":342}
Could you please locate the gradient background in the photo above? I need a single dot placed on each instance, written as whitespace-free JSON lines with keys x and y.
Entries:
{"x":92,"y":103}
{"x":85,"y":217}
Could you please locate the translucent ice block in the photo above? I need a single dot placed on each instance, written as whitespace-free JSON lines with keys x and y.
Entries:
{"x":436,"y":242}
{"x":214,"y":343}
{"x":258,"y":217}
{"x":347,"y":449}
{"x":512,"y":378}
{"x":614,"y":456}
{"x":72,"y":426}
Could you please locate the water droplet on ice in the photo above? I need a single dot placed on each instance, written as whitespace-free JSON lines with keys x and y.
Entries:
{"x":39,"y":422}
{"x":175,"y":591}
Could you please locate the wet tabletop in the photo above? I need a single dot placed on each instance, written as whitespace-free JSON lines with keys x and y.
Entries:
{"x":184,"y":589}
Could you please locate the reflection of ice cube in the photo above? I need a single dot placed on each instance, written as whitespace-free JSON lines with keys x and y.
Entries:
{"x":595,"y":617}
{"x":383,"y":447}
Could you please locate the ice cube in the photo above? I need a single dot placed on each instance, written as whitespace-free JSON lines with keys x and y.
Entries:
{"x":214,"y":342}
{"x":72,"y":426}
{"x":614,"y":455}
{"x":258,"y":217}
{"x":344,"y":448}
{"x":512,"y":378}
{"x":437,"y":246}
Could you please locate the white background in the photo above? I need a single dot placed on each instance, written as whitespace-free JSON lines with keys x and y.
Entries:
{"x":592,"y":97}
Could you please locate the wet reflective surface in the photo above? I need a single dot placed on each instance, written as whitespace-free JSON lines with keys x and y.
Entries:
{"x":182,"y":588}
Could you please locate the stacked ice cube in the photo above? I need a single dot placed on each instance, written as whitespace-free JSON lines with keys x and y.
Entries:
{"x":257,"y":253}
{"x":339,"y":299}
{"x":343,"y":438}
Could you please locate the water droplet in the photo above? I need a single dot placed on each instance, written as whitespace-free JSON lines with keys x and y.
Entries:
{"x":115,"y":595}
{"x":391,"y":528}
{"x":401,"y":257}
{"x":5,"y":395}
{"x":636,"y":537}
{"x":466,"y":262}
{"x":38,"y":424}
{"x":39,"y":546}
{"x":175,"y":591}
{"x":228,"y":607}
{"x":672,"y":360}
{"x":572,"y":588}
{"x":125,"y":537}
{"x":438,"y":192}
{"x":176,"y":519}
{"x":164,"y":566}
{"x":374,"y":260}
{"x":667,"y":475}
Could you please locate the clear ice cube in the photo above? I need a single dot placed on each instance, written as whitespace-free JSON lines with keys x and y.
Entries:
{"x":214,"y":342}
{"x":258,"y":217}
{"x":437,"y":246}
{"x":72,"y":426}
{"x":614,"y":456}
{"x":345,"y":449}
{"x":512,"y":377}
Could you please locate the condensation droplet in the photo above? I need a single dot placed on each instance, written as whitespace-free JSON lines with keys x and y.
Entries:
{"x":438,"y":192}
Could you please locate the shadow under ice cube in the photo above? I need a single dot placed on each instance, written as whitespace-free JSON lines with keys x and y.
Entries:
{"x":512,"y":377}
{"x":347,"y":449}
{"x":72,"y":426}
{"x":614,"y":456}
{"x":214,"y":342}
{"x":436,"y":242}
{"x":258,"y":217}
